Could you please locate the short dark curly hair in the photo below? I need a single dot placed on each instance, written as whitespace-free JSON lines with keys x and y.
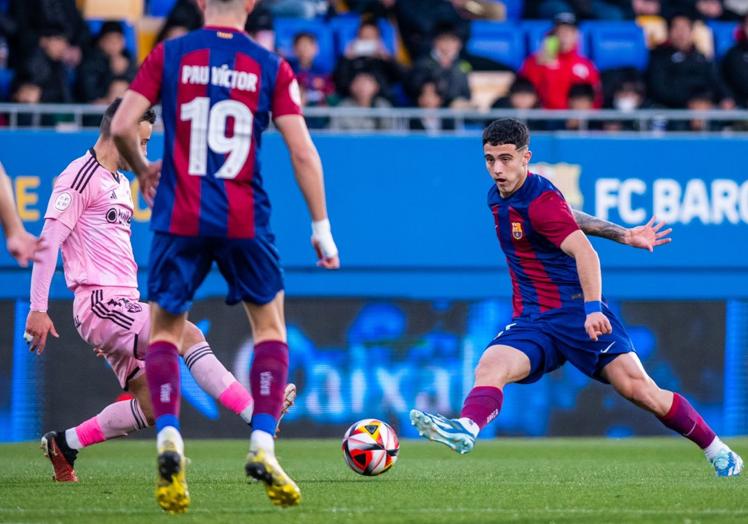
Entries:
{"x":506,"y":131}
{"x":106,"y":120}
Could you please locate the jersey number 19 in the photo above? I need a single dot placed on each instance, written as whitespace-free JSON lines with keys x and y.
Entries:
{"x":208,"y":130}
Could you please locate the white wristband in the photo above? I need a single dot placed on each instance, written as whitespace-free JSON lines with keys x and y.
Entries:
{"x":322,"y":238}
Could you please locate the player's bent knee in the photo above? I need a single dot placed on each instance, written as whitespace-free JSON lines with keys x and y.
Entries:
{"x":192,"y":335}
{"x":501,"y":365}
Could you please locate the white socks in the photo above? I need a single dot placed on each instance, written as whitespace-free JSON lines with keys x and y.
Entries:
{"x":715,"y":448}
{"x":170,"y":434}
{"x":471,"y":426}
{"x":262,"y":440}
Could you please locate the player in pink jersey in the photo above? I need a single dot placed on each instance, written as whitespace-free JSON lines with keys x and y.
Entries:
{"x":20,"y":243}
{"x":88,"y":216}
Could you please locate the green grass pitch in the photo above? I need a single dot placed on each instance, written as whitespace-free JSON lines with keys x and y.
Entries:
{"x":504,"y":480}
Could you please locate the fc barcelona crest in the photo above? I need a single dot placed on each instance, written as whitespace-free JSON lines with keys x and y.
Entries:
{"x":517,"y":232}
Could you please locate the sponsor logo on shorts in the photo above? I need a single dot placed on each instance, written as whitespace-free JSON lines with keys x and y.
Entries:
{"x":517,"y":232}
{"x":266,"y":379}
{"x":62,"y":202}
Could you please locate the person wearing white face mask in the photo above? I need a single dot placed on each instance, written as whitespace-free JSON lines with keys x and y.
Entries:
{"x":627,"y":97}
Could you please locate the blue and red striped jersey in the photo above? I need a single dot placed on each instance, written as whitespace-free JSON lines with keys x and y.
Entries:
{"x":531,"y":224}
{"x":218,"y":90}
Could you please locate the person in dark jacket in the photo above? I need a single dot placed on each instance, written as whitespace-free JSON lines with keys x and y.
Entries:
{"x":367,"y":52}
{"x":419,"y":22}
{"x":109,"y":59}
{"x":446,"y":68}
{"x":677,"y":69}
{"x":735,"y":65}
{"x":35,"y":17}
{"x":46,"y":68}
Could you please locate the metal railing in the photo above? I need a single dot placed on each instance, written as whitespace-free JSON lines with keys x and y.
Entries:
{"x":70,"y":117}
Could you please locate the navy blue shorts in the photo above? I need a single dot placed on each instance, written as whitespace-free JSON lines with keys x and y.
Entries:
{"x":552,"y":338}
{"x":178,"y":265}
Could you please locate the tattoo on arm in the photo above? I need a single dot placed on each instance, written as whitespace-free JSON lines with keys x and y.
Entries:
{"x":597,"y":227}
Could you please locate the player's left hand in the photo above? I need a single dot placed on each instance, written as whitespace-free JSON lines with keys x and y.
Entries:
{"x":648,"y":236}
{"x":23,"y":246}
{"x":324,"y":245}
{"x":597,"y":324}
{"x":148,"y":181}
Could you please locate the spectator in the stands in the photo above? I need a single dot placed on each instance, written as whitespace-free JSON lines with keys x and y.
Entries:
{"x":598,"y":9}
{"x":628,"y":96}
{"x":582,"y":98}
{"x":420,"y":21}
{"x":315,"y":83}
{"x":429,"y":98}
{"x":698,"y":100}
{"x":522,"y":95}
{"x":558,"y":65}
{"x":47,"y":69}
{"x":677,"y":69}
{"x":34,"y":18}
{"x":364,"y":94}
{"x":646,"y":7}
{"x":26,"y":91}
{"x":260,"y":26}
{"x":107,"y":60}
{"x":297,"y":8}
{"x":446,"y":68}
{"x":735,"y":65}
{"x":735,"y":9}
{"x":367,"y":52}
{"x":698,"y":9}
{"x":185,"y":16}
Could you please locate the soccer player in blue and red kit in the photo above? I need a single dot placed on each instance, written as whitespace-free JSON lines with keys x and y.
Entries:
{"x":559,"y":312}
{"x":218,"y":90}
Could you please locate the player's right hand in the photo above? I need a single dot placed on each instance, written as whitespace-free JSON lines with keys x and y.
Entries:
{"x":597,"y":324}
{"x":148,"y":181}
{"x":23,"y":246}
{"x":38,"y":327}
{"x":324,"y":245}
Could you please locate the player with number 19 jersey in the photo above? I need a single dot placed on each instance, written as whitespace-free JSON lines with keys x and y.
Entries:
{"x":225,"y":88}
{"x":218,"y":89}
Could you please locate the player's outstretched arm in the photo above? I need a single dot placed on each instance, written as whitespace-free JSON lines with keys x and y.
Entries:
{"x":20,"y":244}
{"x":648,"y":236}
{"x":38,"y":323}
{"x":125,"y":135}
{"x":307,"y":168}
{"x":577,"y":246}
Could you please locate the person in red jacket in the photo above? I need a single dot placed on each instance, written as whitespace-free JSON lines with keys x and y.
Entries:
{"x":558,"y":65}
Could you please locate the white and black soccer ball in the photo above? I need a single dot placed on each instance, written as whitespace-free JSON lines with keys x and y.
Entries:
{"x":370,"y":447}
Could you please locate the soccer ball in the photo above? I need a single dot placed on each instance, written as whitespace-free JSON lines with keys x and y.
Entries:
{"x":370,"y":447}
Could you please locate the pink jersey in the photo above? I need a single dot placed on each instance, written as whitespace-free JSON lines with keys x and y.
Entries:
{"x":96,"y":206}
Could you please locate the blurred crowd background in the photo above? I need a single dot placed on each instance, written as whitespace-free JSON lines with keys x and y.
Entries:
{"x":460,"y":54}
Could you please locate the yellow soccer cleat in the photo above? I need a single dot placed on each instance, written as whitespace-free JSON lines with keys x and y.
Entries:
{"x":281,"y":490}
{"x":171,"y":489}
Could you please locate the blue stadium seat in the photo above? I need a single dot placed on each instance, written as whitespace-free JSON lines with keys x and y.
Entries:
{"x":724,"y":37}
{"x":131,"y":40}
{"x":287,"y":28}
{"x":514,"y":9}
{"x":536,"y":31}
{"x":344,"y":28}
{"x":616,"y":44}
{"x":498,"y":41}
{"x":160,"y":7}
{"x":6,"y":79}
{"x":4,"y":6}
